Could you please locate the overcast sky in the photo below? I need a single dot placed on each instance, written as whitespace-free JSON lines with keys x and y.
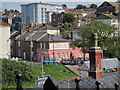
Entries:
{"x":15,"y":4}
{"x":57,"y":0}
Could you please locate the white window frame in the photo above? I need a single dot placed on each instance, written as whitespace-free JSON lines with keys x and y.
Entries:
{"x":19,"y":53}
{"x":58,"y":55}
{"x":19,"y":43}
{"x":67,"y":55}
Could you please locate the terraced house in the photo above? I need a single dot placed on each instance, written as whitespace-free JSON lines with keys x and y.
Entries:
{"x":34,"y":44}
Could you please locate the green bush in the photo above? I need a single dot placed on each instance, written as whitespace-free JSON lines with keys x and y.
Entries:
{"x":30,"y":73}
{"x":9,"y":70}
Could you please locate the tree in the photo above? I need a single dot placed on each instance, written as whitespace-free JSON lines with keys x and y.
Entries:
{"x":105,"y":40}
{"x":81,"y":6}
{"x":68,"y":17}
{"x":64,"y":5}
{"x":65,"y":29}
{"x":93,"y":6}
{"x":17,"y":11}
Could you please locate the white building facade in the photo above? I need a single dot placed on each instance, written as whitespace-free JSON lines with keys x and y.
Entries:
{"x":4,"y":40}
{"x":34,"y":13}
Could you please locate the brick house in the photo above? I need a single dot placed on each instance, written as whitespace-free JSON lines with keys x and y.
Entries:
{"x":57,"y":18}
{"x":108,"y":7}
{"x":109,"y":19}
{"x":32,"y":45}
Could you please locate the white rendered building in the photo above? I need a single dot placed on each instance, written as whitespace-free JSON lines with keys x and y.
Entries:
{"x":34,"y":13}
{"x":4,"y":40}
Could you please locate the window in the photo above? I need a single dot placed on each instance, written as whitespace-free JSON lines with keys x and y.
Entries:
{"x":67,"y":55}
{"x":40,"y":45}
{"x":58,"y":55}
{"x":19,"y":53}
{"x":31,"y":44}
{"x":53,"y":55}
{"x":24,"y":55}
{"x":39,"y":54}
{"x":44,"y":46}
{"x":80,"y":54}
{"x":18,"y":43}
{"x":105,"y":4}
{"x":63,"y":55}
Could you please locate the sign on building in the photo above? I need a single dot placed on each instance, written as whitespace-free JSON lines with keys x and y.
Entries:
{"x":56,"y":46}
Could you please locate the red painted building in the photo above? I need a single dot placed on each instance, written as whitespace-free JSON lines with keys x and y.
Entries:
{"x":60,"y":50}
{"x":32,"y":45}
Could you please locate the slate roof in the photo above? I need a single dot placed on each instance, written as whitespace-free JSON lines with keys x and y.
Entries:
{"x":48,"y":27}
{"x":106,"y":16}
{"x":107,"y":81}
{"x":54,"y":38}
{"x":115,"y":4}
{"x":35,"y":36}
{"x":111,"y":16}
{"x":23,"y":36}
{"x":107,"y":63}
{"x":40,"y":36}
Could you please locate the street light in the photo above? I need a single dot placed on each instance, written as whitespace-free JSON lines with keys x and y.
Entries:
{"x":53,"y":45}
{"x":42,"y":56}
{"x":77,"y":80}
{"x":31,"y":45}
{"x":97,"y":84}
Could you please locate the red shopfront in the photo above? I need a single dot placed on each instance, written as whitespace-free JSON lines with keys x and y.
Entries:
{"x":60,"y":51}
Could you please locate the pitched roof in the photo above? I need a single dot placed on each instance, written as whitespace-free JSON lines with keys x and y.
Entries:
{"x":55,"y":38}
{"x":14,"y":34}
{"x":35,"y":37}
{"x":107,"y":63}
{"x":106,"y":82}
{"x":4,"y":23}
{"x":48,"y":27}
{"x":113,"y":3}
{"x":106,"y":16}
{"x":23,"y":36}
{"x":40,"y":36}
{"x":110,"y":16}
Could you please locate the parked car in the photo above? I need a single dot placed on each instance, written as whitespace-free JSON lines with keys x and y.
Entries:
{"x":85,"y":59}
{"x":50,"y":61}
{"x":68,"y":62}
{"x":65,"y":61}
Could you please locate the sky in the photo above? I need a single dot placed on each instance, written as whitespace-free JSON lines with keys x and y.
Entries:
{"x":56,"y":0}
{"x":15,"y":4}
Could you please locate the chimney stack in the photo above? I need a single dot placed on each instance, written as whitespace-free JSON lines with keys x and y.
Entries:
{"x":72,"y":35}
{"x":95,"y":54}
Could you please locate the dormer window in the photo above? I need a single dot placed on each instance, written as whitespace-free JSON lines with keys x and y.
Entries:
{"x":105,"y":4}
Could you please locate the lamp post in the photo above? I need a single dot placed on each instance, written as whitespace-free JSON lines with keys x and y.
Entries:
{"x":77,"y":80}
{"x":116,"y":86}
{"x":97,"y":84}
{"x":53,"y":45}
{"x":31,"y":45}
{"x":42,"y":56}
{"x":19,"y":85}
